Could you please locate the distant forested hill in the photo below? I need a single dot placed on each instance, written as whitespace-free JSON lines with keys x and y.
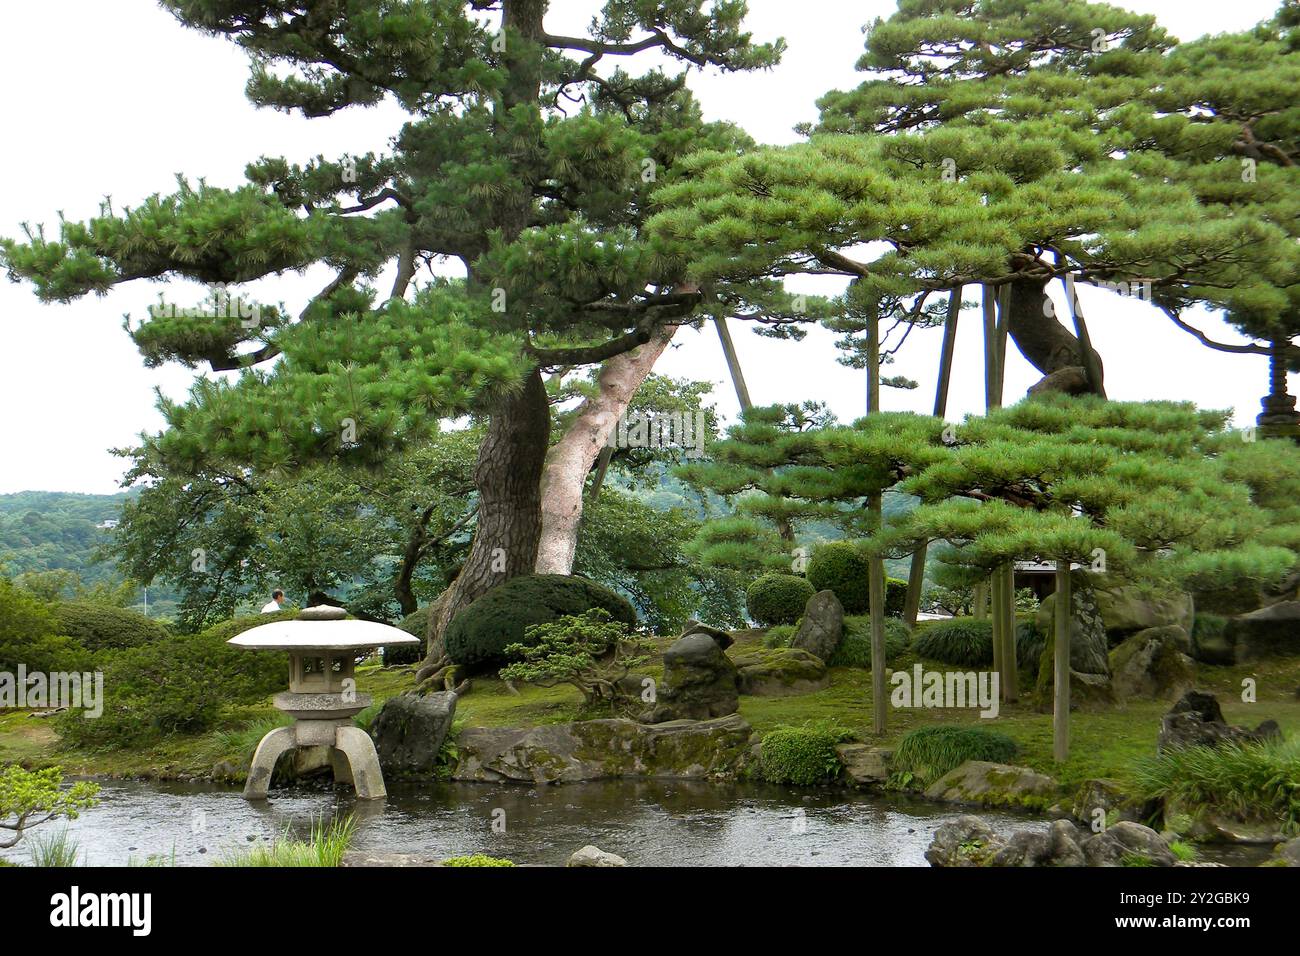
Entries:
{"x":56,"y":531}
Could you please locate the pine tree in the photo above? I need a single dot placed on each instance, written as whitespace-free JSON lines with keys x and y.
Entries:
{"x":524,"y":160}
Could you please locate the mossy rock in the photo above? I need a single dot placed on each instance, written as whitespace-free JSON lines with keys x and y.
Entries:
{"x":780,"y":672}
{"x":988,"y":784}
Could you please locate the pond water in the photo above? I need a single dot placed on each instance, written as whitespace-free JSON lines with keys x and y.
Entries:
{"x":655,"y":823}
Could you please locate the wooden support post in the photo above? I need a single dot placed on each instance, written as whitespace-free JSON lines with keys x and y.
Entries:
{"x":1090,"y":364}
{"x":992,"y":377}
{"x":1062,"y":608}
{"x":876,"y":565}
{"x":1004,"y":326}
{"x":981,"y":599}
{"x":995,"y":613}
{"x":1011,"y":680}
{"x":733,"y":364}
{"x":916,"y":574}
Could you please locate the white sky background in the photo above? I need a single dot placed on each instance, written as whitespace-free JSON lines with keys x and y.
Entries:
{"x":116,"y":98}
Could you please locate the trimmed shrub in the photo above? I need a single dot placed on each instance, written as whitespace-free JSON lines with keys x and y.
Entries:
{"x":927,"y":753}
{"x":477,"y":637}
{"x":100,"y":627}
{"x":179,"y":685}
{"x":966,"y":642}
{"x":855,"y":648}
{"x":841,"y":567}
{"x":417,"y":625}
{"x":803,"y":756}
{"x":777,"y":598}
{"x":27,"y":636}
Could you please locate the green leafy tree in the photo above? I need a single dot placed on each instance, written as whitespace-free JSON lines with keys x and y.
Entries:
{"x":29,"y":798}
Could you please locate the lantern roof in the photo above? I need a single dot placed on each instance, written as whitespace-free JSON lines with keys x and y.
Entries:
{"x":347,"y":635}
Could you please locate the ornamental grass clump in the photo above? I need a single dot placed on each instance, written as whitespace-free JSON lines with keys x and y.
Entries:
{"x":927,"y":753}
{"x":1251,"y":781}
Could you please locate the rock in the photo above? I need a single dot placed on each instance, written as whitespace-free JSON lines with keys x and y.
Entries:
{"x":371,"y":858}
{"x":594,"y":856}
{"x":310,"y":761}
{"x":1197,"y":721}
{"x":410,"y":730}
{"x":864,"y":764}
{"x":822,"y":627}
{"x":1127,"y":842}
{"x":700,"y":682}
{"x":723,"y":638}
{"x":780,"y":672}
{"x":1126,"y":610}
{"x":604,"y":750}
{"x":1093,"y":795}
{"x":1289,"y":852}
{"x":323,"y":612}
{"x":1270,"y":632}
{"x":969,"y":841}
{"x":1214,"y":826}
{"x":966,"y":841}
{"x":993,"y":784}
{"x":1152,"y":663}
{"x":1211,"y":646}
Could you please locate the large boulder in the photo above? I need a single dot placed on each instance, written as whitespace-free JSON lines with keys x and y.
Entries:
{"x":985,"y":783}
{"x":1127,"y":842}
{"x":969,"y":841}
{"x":1126,"y":610}
{"x":779,"y":671}
{"x":864,"y":764}
{"x":409,"y":732}
{"x":700,"y":681}
{"x":604,"y":750}
{"x":1152,"y":663}
{"x":1270,"y":632}
{"x":822,"y":627}
{"x":1197,"y":721}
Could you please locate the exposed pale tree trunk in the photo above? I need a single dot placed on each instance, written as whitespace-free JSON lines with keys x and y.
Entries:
{"x":733,"y":364}
{"x":571,"y":459}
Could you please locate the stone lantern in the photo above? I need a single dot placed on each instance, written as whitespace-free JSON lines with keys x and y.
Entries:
{"x":322,"y":696}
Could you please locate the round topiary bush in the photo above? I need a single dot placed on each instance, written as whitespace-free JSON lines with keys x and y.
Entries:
{"x":417,"y":625}
{"x":99,"y":627}
{"x":927,"y":753}
{"x":855,"y":647}
{"x":477,"y":636}
{"x":966,"y":642}
{"x":840,"y":566}
{"x":777,"y":598}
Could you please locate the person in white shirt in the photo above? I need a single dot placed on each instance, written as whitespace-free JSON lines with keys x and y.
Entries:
{"x":277,"y":600}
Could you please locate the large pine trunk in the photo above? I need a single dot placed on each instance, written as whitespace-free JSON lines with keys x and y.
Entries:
{"x":508,"y":478}
{"x":571,"y":459}
{"x":1048,"y":345}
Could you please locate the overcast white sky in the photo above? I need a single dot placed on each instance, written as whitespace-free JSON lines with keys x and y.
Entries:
{"x":116,"y":98}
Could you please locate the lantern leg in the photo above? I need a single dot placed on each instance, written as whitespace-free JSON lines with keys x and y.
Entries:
{"x":363,"y":761}
{"x":272,"y":747}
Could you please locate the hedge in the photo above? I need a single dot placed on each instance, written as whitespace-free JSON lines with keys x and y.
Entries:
{"x":478,"y":635}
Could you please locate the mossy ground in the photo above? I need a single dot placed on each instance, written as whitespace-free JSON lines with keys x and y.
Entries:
{"x":1103,"y":743}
